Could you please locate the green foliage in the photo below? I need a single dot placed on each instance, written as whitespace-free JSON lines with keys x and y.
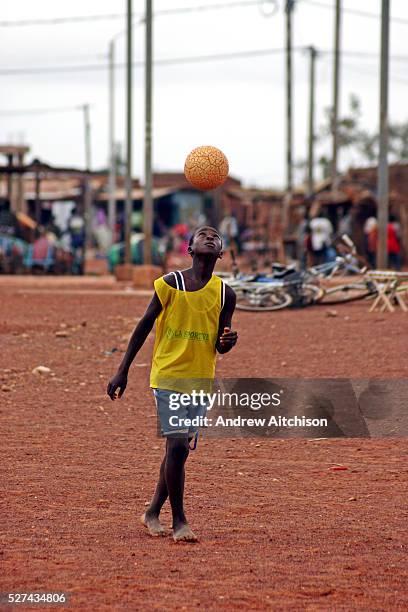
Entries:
{"x":358,"y":140}
{"x":348,"y":126}
{"x":120,"y":161}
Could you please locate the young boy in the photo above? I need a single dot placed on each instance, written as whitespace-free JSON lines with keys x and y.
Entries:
{"x":194,"y":310}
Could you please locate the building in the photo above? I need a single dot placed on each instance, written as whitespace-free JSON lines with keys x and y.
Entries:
{"x":357,"y":196}
{"x":13,"y":188}
{"x":45,"y":190}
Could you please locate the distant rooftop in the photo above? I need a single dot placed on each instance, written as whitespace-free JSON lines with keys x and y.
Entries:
{"x":11,"y":149}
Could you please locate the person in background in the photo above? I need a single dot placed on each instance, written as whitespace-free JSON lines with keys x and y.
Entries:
{"x":229,"y":231}
{"x":370,"y":239}
{"x":76,"y":228}
{"x":181,"y":238}
{"x":52,"y":230}
{"x":321,"y":232}
{"x":8,"y":221}
{"x":303,"y":235}
{"x":346,"y":225}
{"x":393,"y":244}
{"x":42,"y":246}
{"x":101,"y":231}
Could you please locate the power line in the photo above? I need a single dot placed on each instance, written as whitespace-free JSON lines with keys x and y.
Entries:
{"x":67,"y":59}
{"x":216,"y":57}
{"x":42,"y":111}
{"x":185,"y":60}
{"x":355,"y":11}
{"x":321,"y":52}
{"x":207,"y":7}
{"x":364,"y":54}
{"x":59,"y":20}
{"x":175,"y":11}
{"x":162,"y":62}
{"x":367,"y":70}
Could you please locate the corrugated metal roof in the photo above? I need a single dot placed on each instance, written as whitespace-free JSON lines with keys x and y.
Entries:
{"x":137,"y":194}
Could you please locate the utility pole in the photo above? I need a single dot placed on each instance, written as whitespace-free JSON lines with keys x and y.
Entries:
{"x":112,"y":160}
{"x":336,"y":88}
{"x":87,"y":183}
{"x":312,"y":81}
{"x":87,"y":195}
{"x":87,"y":125}
{"x":382,"y":211}
{"x":290,"y":5}
{"x":128,"y":180}
{"x":148,"y":200}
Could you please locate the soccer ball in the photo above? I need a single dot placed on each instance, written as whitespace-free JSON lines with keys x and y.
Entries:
{"x":206,"y":168}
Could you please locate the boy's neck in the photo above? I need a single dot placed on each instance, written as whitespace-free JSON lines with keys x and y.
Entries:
{"x":202,"y":267}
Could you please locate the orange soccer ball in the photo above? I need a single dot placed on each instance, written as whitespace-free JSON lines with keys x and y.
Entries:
{"x":206,"y":168}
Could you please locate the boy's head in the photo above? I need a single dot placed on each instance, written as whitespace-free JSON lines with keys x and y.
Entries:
{"x":205,"y":240}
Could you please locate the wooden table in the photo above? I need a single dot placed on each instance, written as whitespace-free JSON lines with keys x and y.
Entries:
{"x":387,"y":284}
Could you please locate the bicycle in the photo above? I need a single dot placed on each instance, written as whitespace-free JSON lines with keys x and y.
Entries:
{"x":286,"y":285}
{"x":360,"y":290}
{"x":257,"y":292}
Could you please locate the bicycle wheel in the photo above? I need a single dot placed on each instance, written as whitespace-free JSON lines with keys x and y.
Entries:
{"x":255,"y":300}
{"x":308,"y":294}
{"x":346,"y":293}
{"x":401,"y":289}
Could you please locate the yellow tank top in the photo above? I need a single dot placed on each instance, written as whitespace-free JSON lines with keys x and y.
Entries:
{"x":184,"y":353}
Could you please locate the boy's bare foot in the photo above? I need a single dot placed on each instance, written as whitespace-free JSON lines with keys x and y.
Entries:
{"x":183,"y":533}
{"x":153,"y":524}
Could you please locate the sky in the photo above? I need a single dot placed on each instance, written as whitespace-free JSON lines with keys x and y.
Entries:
{"x":237,"y":104}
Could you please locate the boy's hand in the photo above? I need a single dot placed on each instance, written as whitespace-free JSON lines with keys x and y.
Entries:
{"x":119,"y":381}
{"x":228,"y":338}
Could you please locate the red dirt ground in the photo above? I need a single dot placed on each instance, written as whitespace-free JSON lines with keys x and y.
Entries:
{"x":278,"y":529}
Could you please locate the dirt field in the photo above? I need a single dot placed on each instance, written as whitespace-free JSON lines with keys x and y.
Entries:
{"x":279,"y":530}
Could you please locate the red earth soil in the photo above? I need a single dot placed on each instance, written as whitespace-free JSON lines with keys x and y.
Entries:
{"x":278,"y":528}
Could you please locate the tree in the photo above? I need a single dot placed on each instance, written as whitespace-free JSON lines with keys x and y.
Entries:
{"x":120,"y":162}
{"x":355,"y":139}
{"x":349,"y":132}
{"x":397,"y":143}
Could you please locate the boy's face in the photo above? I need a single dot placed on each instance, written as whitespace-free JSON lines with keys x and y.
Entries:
{"x":207,"y":241}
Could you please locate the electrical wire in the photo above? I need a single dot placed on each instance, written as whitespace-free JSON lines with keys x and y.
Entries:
{"x":109,"y":17}
{"x":187,"y":60}
{"x":356,"y":12}
{"x":368,"y":70}
{"x":43,"y":111}
{"x":184,"y":10}
{"x":59,"y":20}
{"x":362,"y":54}
{"x":160,"y":62}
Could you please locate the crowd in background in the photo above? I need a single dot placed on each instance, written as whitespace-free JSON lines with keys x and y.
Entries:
{"x":60,"y":247}
{"x":316,"y":238}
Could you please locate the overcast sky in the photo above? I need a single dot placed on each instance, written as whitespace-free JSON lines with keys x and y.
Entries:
{"x":236,"y":104}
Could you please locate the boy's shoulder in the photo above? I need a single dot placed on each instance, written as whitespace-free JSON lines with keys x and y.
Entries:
{"x":169,"y":279}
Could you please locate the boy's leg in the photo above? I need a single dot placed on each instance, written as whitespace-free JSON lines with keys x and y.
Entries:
{"x":177,"y":453}
{"x":151,"y":517}
{"x":161,"y":493}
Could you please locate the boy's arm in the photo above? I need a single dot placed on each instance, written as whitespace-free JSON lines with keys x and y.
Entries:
{"x":226,"y":337}
{"x":143,"y":328}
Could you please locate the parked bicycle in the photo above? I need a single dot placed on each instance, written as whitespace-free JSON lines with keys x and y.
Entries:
{"x":257,"y":292}
{"x":364,"y":288}
{"x":287,"y":285}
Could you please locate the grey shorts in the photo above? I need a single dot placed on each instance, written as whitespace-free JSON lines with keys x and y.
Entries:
{"x":180,"y":414}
